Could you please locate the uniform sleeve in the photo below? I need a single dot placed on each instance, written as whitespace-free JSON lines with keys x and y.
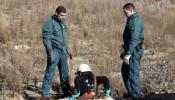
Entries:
{"x":67,"y":37}
{"x":47,"y":36}
{"x":135,"y":31}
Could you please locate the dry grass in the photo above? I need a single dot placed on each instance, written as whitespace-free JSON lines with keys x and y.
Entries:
{"x":95,"y":33}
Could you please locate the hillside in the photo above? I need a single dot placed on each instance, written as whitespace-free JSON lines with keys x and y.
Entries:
{"x":95,"y":37}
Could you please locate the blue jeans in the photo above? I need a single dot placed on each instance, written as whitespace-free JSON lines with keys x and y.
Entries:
{"x":131,"y":73}
{"x":61,"y":62}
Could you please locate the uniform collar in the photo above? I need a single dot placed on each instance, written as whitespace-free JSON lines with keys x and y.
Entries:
{"x":56,"y":19}
{"x":133,"y":15}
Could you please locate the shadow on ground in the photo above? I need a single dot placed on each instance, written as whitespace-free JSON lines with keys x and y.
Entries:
{"x":31,"y":92}
{"x":162,"y":96}
{"x":153,"y":96}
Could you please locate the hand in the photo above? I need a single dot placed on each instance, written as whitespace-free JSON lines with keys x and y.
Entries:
{"x":122,"y":55}
{"x":52,"y":57}
{"x":126,"y":59}
{"x":70,"y":56}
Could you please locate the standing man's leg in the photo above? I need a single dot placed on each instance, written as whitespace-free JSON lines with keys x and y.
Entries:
{"x":134,"y":73}
{"x":49,"y":74}
{"x":64,"y":71}
{"x":125,"y":75}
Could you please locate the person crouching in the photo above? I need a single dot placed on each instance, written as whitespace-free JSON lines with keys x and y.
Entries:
{"x":84,"y":84}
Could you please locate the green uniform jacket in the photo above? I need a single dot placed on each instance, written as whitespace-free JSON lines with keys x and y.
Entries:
{"x":133,"y":35}
{"x":55,"y":34}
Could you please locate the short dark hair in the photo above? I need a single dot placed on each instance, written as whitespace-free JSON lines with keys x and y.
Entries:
{"x":129,"y":6}
{"x":60,"y":9}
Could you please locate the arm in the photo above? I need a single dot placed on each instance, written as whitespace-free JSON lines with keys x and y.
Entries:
{"x":47,"y":40}
{"x":47,"y":36}
{"x":135,"y":31}
{"x":67,"y":42}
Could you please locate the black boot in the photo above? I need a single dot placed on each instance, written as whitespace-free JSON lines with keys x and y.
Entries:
{"x":45,"y":98}
{"x":137,"y":98}
{"x":127,"y":95}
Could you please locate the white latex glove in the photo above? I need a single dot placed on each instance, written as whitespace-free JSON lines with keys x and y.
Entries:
{"x":126,"y":59}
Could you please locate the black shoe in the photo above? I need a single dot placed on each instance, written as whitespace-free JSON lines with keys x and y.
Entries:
{"x":45,"y":98}
{"x":127,"y":95}
{"x":137,"y":98}
{"x":63,"y":96}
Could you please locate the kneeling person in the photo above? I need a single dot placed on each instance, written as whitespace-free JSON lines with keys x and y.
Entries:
{"x":84,"y":83}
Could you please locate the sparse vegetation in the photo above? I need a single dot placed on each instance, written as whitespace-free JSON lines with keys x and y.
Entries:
{"x":95,"y":37}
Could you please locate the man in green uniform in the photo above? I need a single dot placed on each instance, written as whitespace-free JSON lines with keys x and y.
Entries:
{"x":55,"y":41}
{"x":133,"y":37}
